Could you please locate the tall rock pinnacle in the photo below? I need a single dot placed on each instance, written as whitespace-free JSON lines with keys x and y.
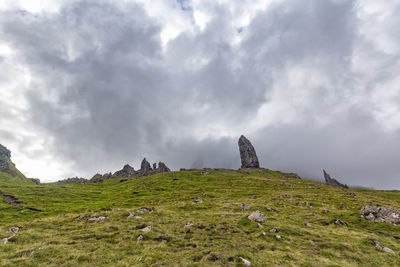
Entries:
{"x":248,"y":154}
{"x":333,"y":182}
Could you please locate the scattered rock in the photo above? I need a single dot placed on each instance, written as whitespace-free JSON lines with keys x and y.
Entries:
{"x":273,"y":230}
{"x":260,"y":225}
{"x":248,"y":154}
{"x":264,"y":233}
{"x":138,"y":218}
{"x":308,"y":224}
{"x":97,"y":219}
{"x":140,"y":238}
{"x":74,"y":180}
{"x":80,"y":217}
{"x":123,"y":180}
{"x":145,"y":210}
{"x":380,"y":247}
{"x":278,"y":237}
{"x":291,"y":175}
{"x":333,"y":182}
{"x":245,"y":262}
{"x":378,"y":214}
{"x":325,"y":211}
{"x":131,"y":214}
{"x":340,"y":222}
{"x":5,"y":240}
{"x":244,"y":207}
{"x":256,"y":216}
{"x":252,"y":197}
{"x":205,"y":173}
{"x":271,"y":209}
{"x":13,"y":229}
{"x":146,"y":229}
{"x":188,"y":225}
{"x":197,"y":200}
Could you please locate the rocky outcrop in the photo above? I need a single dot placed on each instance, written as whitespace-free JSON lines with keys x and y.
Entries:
{"x":333,"y":182}
{"x":74,"y":180}
{"x":248,"y":154}
{"x":36,"y":181}
{"x":127,"y":171}
{"x":379,"y":214}
{"x":162,"y":167}
{"x":145,"y":167}
{"x":5,"y":159}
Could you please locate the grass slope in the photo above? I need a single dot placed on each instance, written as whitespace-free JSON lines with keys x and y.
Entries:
{"x":221,"y":232}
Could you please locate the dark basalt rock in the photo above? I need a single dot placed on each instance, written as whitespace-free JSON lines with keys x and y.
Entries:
{"x":162,"y":167}
{"x":248,"y":154}
{"x":145,"y":167}
{"x":379,"y":214}
{"x":127,"y":171}
{"x":333,"y":182}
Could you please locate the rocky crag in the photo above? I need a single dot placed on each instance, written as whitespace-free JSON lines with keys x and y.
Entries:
{"x":333,"y":182}
{"x":7,"y":166}
{"x":248,"y":154}
{"x":127,"y":171}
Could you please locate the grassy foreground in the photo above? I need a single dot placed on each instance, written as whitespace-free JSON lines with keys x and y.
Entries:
{"x":50,"y":234}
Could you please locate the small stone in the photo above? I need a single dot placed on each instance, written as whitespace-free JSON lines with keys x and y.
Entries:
{"x":273,"y":230}
{"x":256,"y":216}
{"x":140,"y":238}
{"x":5,"y":240}
{"x":380,"y":247}
{"x":326,"y":211}
{"x":245,"y":262}
{"x":131,"y":214}
{"x":308,"y":224}
{"x":270,"y":209}
{"x":138,"y":218}
{"x":205,"y":173}
{"x":252,"y":197}
{"x":340,"y":222}
{"x":80,"y":217}
{"x":146,"y":229}
{"x":188,"y":225}
{"x":197,"y":200}
{"x":14,"y":229}
{"x":244,"y":207}
{"x":278,"y":237}
{"x":164,"y":241}
{"x":260,"y":225}
{"x":264,"y":233}
{"x":145,"y":210}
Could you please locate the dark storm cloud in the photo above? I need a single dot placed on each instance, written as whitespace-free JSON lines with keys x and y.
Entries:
{"x":106,"y":91}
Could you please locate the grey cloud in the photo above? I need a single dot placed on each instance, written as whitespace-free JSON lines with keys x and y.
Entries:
{"x":107,"y":93}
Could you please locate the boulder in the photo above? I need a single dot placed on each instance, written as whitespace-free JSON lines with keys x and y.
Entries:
{"x":379,"y":214}
{"x":162,"y":167}
{"x":145,"y":166}
{"x":333,"y":182}
{"x":248,"y":154}
{"x":256,"y":216}
{"x":380,"y":247}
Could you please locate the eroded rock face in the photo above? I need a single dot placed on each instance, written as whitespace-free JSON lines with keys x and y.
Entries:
{"x":333,"y":182}
{"x":162,"y":167}
{"x":5,"y":159}
{"x":379,"y":214}
{"x":127,"y":171}
{"x":145,"y":167}
{"x":248,"y":154}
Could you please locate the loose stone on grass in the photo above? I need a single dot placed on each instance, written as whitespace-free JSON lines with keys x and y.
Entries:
{"x":14,"y":229}
{"x":340,"y":222}
{"x":197,"y":201}
{"x":273,"y":230}
{"x":244,"y":207}
{"x":380,"y":247}
{"x":97,"y":219}
{"x":131,"y":214}
{"x":245,"y":262}
{"x":256,"y":216}
{"x":146,"y":229}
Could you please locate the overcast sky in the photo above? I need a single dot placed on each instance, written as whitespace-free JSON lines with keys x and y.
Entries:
{"x":88,"y":86}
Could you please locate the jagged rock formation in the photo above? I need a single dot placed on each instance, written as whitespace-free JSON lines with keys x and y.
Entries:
{"x":248,"y":154}
{"x":333,"y":182}
{"x":378,"y":214}
{"x":127,"y":171}
{"x":36,"y":181}
{"x":5,"y":159}
{"x":74,"y":180}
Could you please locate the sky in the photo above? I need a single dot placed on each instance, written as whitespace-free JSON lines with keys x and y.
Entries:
{"x":90,"y":85}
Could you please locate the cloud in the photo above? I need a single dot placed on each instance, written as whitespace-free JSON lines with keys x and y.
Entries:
{"x":107,"y":83}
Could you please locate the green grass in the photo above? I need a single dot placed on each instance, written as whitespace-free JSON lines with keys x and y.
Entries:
{"x":221,"y":232}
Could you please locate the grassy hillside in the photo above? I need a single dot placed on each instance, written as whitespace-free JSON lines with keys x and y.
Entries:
{"x":51,"y":235}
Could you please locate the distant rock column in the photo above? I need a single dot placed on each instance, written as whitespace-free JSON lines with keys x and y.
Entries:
{"x":248,"y":154}
{"x":145,"y":167}
{"x":333,"y":182}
